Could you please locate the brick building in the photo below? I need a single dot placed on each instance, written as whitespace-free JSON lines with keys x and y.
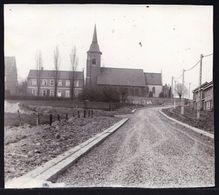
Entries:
{"x":47,"y":83}
{"x":134,"y":81}
{"x":207,"y":98}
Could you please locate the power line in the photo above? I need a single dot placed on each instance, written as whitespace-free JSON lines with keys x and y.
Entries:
{"x":193,"y":66}
{"x":208,"y":55}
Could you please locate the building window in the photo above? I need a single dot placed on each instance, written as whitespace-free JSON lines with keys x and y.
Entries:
{"x":51,"y":93}
{"x":59,"y":93}
{"x":34,"y":82}
{"x":59,"y":82}
{"x":76,"y":83}
{"x":67,"y":83}
{"x":94,"y":61}
{"x":43,"y":92}
{"x":44,"y":82}
{"x":51,"y":82}
{"x":146,"y":90}
{"x":153,"y":89}
{"x":34,"y":92}
{"x":67,"y":93}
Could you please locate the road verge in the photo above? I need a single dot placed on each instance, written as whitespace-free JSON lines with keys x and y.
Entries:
{"x":41,"y":176}
{"x":200,"y":131}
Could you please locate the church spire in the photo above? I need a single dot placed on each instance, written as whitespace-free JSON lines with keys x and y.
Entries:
{"x":94,"y":47}
{"x":95,"y":35}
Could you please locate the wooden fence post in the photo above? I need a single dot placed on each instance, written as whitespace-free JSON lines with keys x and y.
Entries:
{"x":38,"y":119}
{"x":19,"y":116}
{"x":66,"y":116}
{"x":84,"y":113}
{"x":58,"y":116}
{"x":78,"y":114}
{"x":50,"y":119}
{"x":88,"y":113}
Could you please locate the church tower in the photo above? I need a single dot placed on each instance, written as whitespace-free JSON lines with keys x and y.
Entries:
{"x":93,"y":62}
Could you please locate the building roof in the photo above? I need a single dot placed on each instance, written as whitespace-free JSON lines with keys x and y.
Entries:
{"x":51,"y":74}
{"x":10,"y":65}
{"x":153,"y":78}
{"x":94,"y":47}
{"x":203,"y":86}
{"x":121,"y":77}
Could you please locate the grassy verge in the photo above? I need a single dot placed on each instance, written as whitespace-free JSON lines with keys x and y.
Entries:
{"x":206,"y":121}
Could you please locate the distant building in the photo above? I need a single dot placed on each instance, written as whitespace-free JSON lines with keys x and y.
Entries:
{"x":11,"y":82}
{"x":134,"y":81}
{"x":47,"y":83}
{"x":207,"y":102}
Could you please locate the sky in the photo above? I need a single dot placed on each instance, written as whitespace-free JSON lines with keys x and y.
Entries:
{"x":155,"y":38}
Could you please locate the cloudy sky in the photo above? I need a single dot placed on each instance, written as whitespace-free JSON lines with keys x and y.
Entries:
{"x":171,"y":37}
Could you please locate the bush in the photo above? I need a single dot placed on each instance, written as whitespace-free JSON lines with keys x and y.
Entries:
{"x":105,"y":94}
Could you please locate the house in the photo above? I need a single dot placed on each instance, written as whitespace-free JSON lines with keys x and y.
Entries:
{"x":132,"y":81}
{"x":207,"y":102}
{"x":47,"y":83}
{"x":11,"y":82}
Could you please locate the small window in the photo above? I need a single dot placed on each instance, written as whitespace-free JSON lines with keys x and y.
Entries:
{"x":51,"y":82}
{"x":34,"y":92}
{"x":51,"y":93}
{"x":153,"y":89}
{"x":67,"y":83}
{"x":67,"y":93}
{"x":34,"y":82}
{"x":76,"y":83}
{"x":59,"y":93}
{"x":59,"y":82}
{"x":44,"y":82}
{"x":94,"y":61}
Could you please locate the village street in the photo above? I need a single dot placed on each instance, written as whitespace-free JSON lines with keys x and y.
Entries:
{"x":147,"y":151}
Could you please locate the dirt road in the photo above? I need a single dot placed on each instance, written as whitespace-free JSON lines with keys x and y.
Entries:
{"x":148,"y":151}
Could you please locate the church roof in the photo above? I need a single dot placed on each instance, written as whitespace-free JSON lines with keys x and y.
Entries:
{"x":94,"y":47}
{"x":51,"y":74}
{"x":153,"y":78}
{"x":121,"y":77}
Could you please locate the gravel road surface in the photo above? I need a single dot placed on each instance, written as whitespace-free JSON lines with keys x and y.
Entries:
{"x":147,"y":151}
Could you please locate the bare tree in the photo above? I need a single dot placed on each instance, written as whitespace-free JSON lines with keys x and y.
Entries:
{"x":180,"y":89}
{"x":74,"y":65}
{"x":56,"y":66}
{"x":38,"y":59}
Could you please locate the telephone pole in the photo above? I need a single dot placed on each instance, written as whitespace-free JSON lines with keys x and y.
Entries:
{"x":172,"y":91}
{"x":199,"y":104}
{"x":182,"y":97}
{"x":174,"y":101}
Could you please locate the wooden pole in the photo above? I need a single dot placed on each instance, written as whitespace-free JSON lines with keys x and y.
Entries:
{"x":200,"y":82}
{"x":19,"y":116}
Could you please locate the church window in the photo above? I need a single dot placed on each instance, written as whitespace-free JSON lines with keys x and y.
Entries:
{"x":146,"y":90}
{"x":94,"y":61}
{"x":153,"y":89}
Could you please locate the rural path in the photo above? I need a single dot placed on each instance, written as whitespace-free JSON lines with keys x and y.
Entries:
{"x":147,"y":151}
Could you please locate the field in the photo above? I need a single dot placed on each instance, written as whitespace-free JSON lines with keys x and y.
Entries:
{"x":206,"y":121}
{"x":27,"y":146}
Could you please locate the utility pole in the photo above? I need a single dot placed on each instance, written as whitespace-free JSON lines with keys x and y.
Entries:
{"x":174,"y":101}
{"x":182,"y":97}
{"x":200,"y":82}
{"x":172,"y":91}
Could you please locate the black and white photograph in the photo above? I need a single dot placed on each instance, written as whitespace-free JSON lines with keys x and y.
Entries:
{"x":108,"y":95}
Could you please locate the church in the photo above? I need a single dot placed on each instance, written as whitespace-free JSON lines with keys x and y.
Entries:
{"x":134,"y":81}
